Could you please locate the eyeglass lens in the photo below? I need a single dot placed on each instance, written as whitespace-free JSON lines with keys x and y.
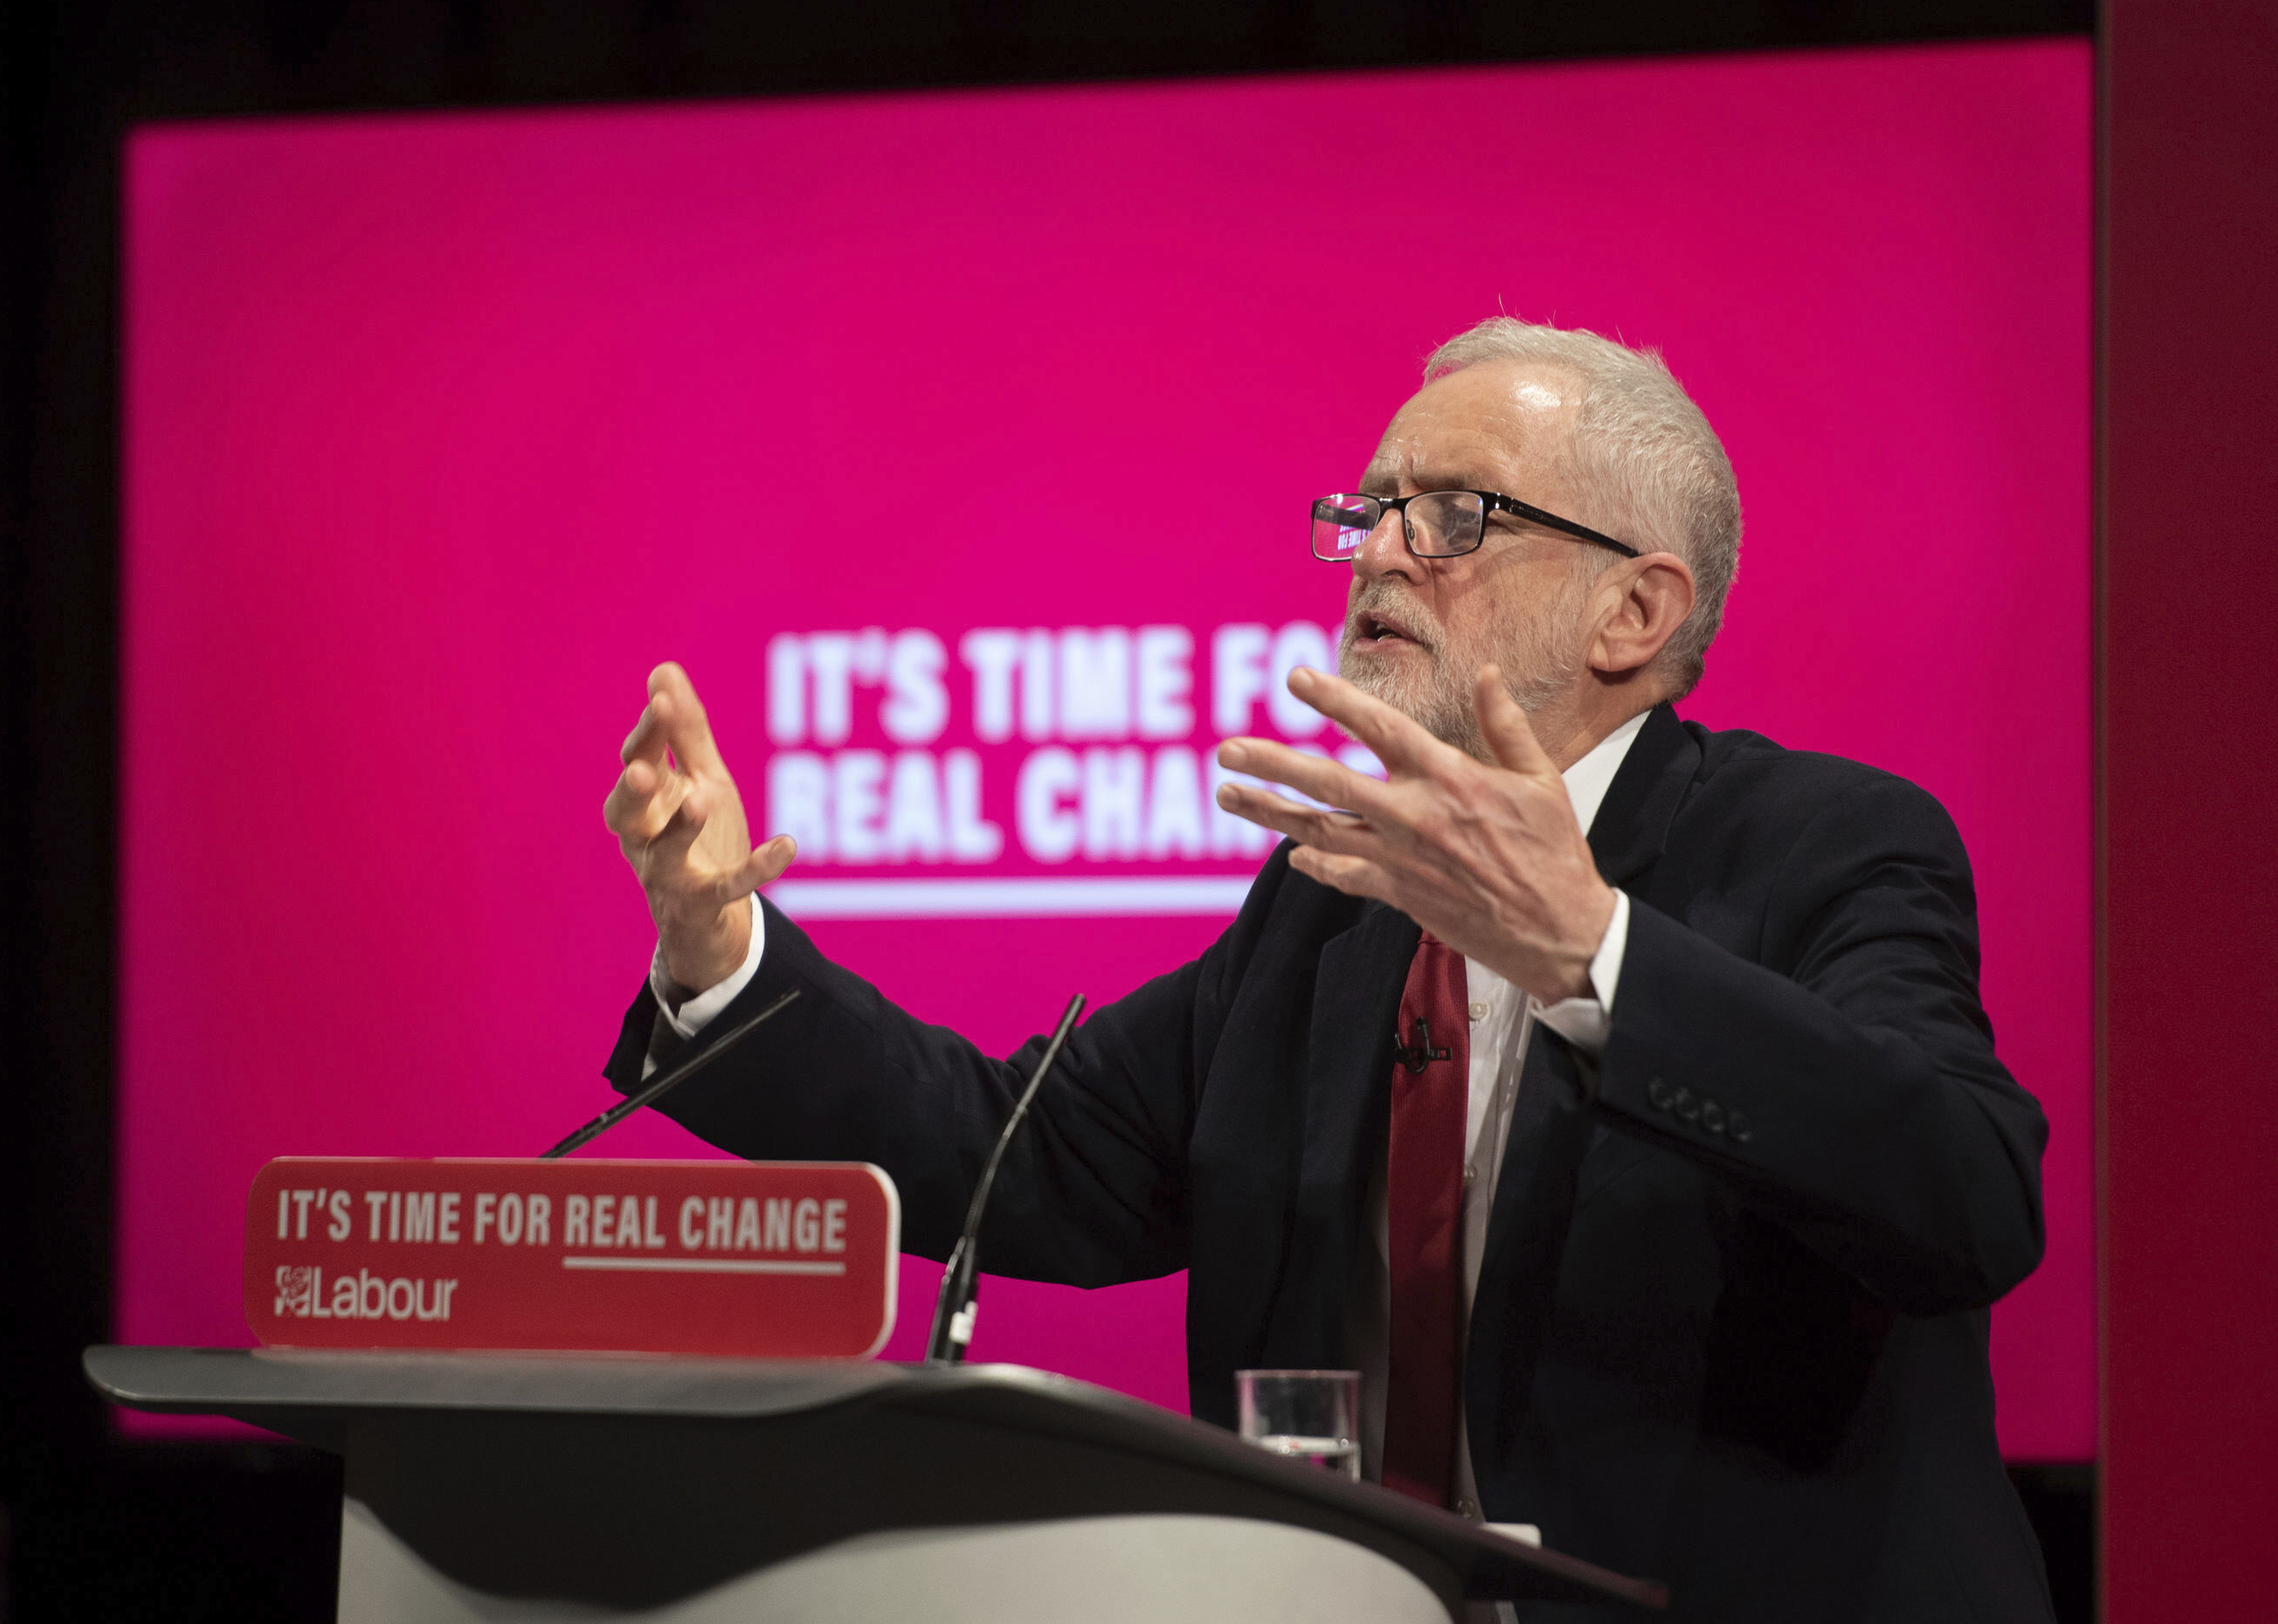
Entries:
{"x":1440,"y":525}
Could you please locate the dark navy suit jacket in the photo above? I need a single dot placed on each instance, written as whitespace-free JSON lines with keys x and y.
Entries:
{"x":1731,"y":1324}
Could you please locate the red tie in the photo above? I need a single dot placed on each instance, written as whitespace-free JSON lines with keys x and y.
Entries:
{"x":1423,"y":1195}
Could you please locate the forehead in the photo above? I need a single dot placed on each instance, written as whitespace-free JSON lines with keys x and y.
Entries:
{"x":1499,"y":424}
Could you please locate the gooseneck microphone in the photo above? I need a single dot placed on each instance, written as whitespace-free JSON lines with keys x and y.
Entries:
{"x":953,"y":1309}
{"x":670,"y":1080}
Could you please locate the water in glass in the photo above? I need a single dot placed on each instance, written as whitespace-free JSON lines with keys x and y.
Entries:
{"x":1303,"y":1414}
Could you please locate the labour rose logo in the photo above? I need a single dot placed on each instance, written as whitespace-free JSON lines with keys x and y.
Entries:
{"x":296,"y":1286}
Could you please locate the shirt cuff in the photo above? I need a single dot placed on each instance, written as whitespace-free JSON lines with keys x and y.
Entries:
{"x":687,"y":1018}
{"x":1586,"y":1023}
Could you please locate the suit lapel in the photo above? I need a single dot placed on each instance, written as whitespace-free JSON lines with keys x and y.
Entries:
{"x":1633,"y":823}
{"x":1553,"y":1129}
{"x":1348,"y":1088}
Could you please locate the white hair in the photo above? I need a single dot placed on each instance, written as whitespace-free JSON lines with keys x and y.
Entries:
{"x":1649,"y":470}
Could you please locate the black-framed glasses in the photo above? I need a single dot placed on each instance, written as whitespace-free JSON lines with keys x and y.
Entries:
{"x":1436,"y":523}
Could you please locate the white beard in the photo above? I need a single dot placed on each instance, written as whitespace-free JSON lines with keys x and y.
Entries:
{"x":1538,"y":647}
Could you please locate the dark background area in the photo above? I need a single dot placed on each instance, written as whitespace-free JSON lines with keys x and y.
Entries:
{"x":92,"y":1526}
{"x":2188,"y":391}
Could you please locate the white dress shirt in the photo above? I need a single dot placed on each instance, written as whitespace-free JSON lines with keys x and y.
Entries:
{"x":1502,"y":1022}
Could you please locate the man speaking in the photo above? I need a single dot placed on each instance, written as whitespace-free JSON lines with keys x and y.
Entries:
{"x":1613,"y":1093}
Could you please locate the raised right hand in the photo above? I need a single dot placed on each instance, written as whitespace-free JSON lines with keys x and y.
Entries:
{"x":680,"y":822}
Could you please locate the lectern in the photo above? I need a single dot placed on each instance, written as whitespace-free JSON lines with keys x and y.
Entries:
{"x":700,"y":1490}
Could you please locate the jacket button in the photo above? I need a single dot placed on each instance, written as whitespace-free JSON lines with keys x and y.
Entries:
{"x":1712,"y":1116}
{"x":1656,"y":1095}
{"x":1741,"y":1128}
{"x":1687,"y":1108}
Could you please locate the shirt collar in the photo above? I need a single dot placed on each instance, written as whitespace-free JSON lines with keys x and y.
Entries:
{"x":1588,"y":780}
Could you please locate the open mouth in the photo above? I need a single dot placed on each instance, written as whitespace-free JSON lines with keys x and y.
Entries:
{"x":1377,"y":630}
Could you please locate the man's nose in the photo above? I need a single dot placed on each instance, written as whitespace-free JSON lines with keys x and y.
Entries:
{"x":1385,"y":549}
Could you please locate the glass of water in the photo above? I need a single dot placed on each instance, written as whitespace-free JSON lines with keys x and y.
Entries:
{"x":1305,"y":1414}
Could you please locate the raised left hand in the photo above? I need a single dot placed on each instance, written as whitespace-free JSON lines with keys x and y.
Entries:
{"x":1490,"y":860}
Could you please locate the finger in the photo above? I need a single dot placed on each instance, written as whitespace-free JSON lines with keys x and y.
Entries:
{"x":1337,"y":831}
{"x":1328,"y":781}
{"x":1355,"y":877}
{"x":765,"y":865}
{"x":669,"y":847}
{"x":642,"y":800}
{"x":647,"y":742}
{"x":1508,"y":731}
{"x":1400,"y":743}
{"x":685,"y":721}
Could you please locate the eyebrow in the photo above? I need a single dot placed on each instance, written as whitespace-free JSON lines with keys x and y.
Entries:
{"x":1429,"y":481}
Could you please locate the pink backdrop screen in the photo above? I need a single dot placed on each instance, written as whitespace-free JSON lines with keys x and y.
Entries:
{"x":960,"y":445}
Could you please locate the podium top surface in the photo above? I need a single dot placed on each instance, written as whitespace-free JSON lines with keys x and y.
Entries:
{"x":315,"y":1396}
{"x":227,"y":1381}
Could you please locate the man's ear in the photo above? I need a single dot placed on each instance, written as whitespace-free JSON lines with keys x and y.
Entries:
{"x":1642,"y":602}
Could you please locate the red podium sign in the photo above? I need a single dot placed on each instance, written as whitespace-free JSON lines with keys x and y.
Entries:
{"x":787,"y":1260}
